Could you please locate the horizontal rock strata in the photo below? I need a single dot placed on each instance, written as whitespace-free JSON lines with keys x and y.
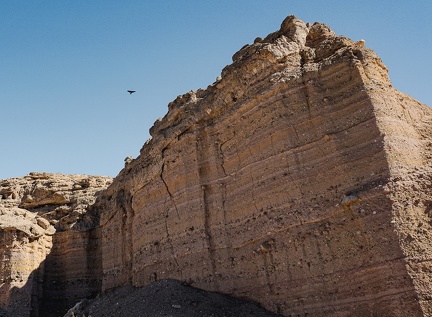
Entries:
{"x":300,"y":179}
{"x":25,"y":241}
{"x":43,"y":252}
{"x":294,"y":180}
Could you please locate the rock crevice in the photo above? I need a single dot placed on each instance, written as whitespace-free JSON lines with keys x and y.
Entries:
{"x":300,"y":179}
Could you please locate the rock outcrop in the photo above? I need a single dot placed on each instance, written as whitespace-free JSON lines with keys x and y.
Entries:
{"x":25,"y":241}
{"x":42,"y":249}
{"x":300,"y":179}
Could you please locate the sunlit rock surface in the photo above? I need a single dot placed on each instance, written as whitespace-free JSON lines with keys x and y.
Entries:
{"x":44,"y":253}
{"x":299,"y":179}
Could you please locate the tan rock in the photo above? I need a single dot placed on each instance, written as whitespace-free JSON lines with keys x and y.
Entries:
{"x":31,"y":267}
{"x":303,"y":143}
{"x":24,"y":245}
{"x":43,"y":222}
{"x":61,"y":199}
{"x":301,"y":179}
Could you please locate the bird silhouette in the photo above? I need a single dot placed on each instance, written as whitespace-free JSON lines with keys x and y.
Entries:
{"x":131,"y":91}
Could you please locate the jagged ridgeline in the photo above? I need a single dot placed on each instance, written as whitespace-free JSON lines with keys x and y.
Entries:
{"x":300,"y":179}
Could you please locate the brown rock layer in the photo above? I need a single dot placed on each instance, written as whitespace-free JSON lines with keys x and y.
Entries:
{"x":24,"y":245}
{"x":286,"y":182}
{"x":72,"y":272}
{"x":42,"y":271}
{"x":301,"y":179}
{"x":406,"y":127}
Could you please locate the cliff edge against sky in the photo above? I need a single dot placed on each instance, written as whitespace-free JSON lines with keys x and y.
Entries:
{"x":300,"y":179}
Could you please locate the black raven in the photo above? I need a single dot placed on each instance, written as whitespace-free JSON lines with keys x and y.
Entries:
{"x":131,"y":91}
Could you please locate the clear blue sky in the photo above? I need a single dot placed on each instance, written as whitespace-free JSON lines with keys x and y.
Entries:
{"x":65,"y":66}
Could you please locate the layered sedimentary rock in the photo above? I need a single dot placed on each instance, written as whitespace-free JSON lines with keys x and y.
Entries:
{"x":300,"y":179}
{"x":46,"y":261}
{"x":25,"y":241}
{"x":63,"y":200}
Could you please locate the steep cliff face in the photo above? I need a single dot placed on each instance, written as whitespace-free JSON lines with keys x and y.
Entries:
{"x":406,"y":127}
{"x":300,"y":179}
{"x":47,"y":264}
{"x":25,"y":241}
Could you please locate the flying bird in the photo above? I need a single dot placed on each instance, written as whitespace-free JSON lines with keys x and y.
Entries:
{"x":131,"y":91}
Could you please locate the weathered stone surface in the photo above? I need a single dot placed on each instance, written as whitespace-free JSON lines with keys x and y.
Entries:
{"x":32,"y":209}
{"x":300,"y":179}
{"x":73,"y":271}
{"x":61,"y":199}
{"x":24,"y":245}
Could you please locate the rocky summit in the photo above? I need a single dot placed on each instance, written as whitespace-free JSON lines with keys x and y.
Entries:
{"x":300,"y":179}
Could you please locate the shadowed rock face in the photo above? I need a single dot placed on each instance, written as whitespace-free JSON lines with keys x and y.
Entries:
{"x":300,"y":179}
{"x":42,"y":251}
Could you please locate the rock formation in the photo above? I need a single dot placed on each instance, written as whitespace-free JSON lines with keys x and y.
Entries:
{"x":37,"y":211}
{"x":300,"y":179}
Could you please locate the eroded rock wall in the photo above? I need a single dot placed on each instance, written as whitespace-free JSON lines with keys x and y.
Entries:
{"x":299,"y":179}
{"x":49,"y":260}
{"x":406,"y":127}
{"x":72,"y":271}
{"x":25,"y":241}
{"x":276,"y":183}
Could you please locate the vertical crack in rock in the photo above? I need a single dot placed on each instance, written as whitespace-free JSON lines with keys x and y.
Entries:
{"x":130,"y":241}
{"x":169,"y":239}
{"x":223,"y":184}
{"x":307,"y":93}
{"x":203,"y":154}
{"x":124,"y":203}
{"x":221,"y":158}
{"x":208,"y":233}
{"x":254,"y":185}
{"x":168,"y":190}
{"x":124,"y":235}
